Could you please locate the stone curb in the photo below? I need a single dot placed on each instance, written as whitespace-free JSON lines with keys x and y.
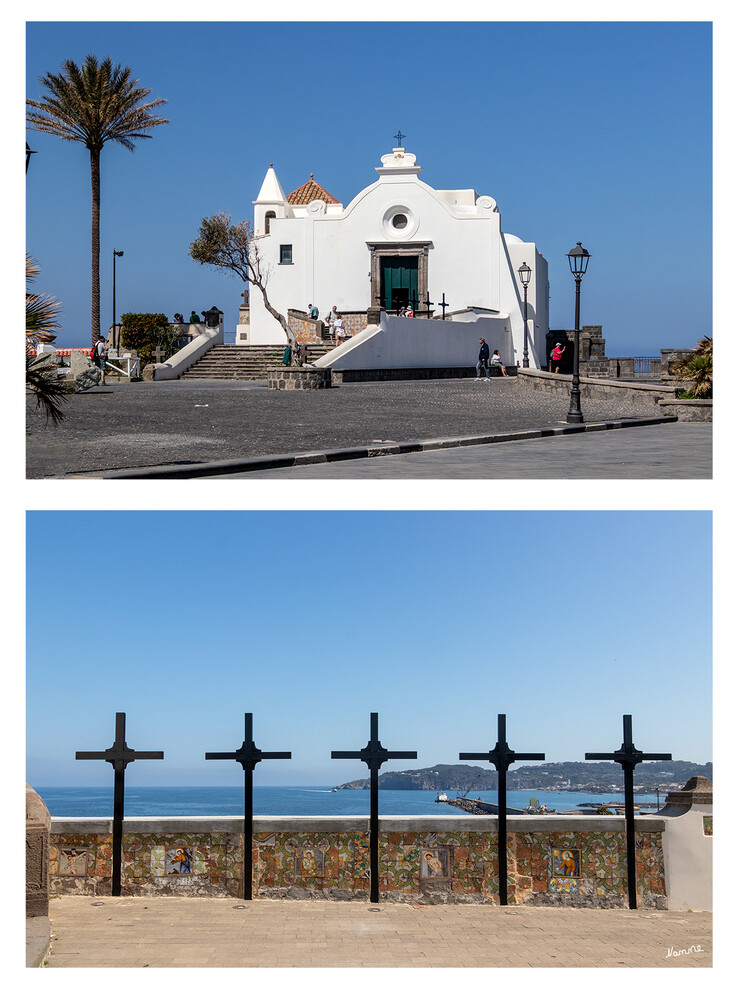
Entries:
{"x":232,"y":465}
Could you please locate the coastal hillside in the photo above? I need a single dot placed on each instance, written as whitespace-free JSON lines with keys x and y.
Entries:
{"x":595,"y":778}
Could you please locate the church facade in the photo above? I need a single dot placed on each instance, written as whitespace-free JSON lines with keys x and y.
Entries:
{"x":399,"y":243}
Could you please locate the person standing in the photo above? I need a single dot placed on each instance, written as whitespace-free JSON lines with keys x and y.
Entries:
{"x":556,"y":356}
{"x":332,"y":317}
{"x":312,"y":311}
{"x":339,"y":331}
{"x":100,"y":358}
{"x":482,"y":365}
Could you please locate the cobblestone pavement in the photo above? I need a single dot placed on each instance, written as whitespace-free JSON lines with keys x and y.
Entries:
{"x":131,"y":425}
{"x":214,"y":933}
{"x":668,"y":451}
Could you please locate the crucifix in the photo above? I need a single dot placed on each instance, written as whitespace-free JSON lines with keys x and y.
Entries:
{"x":159,"y":354}
{"x":118,"y":756}
{"x":628,"y":756}
{"x":248,"y":756}
{"x":428,"y":303}
{"x":502,"y":758}
{"x":374,"y":755}
{"x":399,"y":137}
{"x":443,"y":304}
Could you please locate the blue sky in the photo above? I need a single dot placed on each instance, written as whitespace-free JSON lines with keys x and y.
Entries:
{"x":437,"y":620}
{"x":591,"y":131}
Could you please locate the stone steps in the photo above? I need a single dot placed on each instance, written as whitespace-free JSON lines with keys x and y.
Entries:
{"x":247,"y":363}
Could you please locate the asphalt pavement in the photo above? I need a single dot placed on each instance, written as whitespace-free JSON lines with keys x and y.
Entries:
{"x":149,"y":425}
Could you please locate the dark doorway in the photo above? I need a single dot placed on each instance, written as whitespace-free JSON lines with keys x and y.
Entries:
{"x":398,"y":282}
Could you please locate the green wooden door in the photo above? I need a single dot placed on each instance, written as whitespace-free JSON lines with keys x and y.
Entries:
{"x":399,"y":282}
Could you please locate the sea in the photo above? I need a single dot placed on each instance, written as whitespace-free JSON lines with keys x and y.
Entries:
{"x":90,"y":802}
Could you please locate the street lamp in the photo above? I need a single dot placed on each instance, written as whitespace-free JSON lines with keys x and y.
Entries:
{"x":578,"y":259}
{"x":114,"y":341}
{"x":525,"y":273}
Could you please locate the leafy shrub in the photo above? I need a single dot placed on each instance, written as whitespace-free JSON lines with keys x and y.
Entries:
{"x":144,"y":331}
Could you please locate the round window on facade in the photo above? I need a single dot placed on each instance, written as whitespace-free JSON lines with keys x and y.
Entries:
{"x":400,"y":221}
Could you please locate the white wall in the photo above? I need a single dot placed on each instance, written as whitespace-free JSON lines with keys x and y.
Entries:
{"x":688,"y":861}
{"x":418,"y":343}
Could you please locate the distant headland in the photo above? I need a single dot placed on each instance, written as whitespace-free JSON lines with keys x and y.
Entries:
{"x":594,"y":778}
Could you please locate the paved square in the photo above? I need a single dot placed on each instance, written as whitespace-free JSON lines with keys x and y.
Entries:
{"x":154,"y":423}
{"x":225,"y":933}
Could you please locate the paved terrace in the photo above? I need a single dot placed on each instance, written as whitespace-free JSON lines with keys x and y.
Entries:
{"x":225,"y":933}
{"x":131,"y":425}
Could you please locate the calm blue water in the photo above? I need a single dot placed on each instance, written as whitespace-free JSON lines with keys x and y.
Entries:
{"x":98,"y":801}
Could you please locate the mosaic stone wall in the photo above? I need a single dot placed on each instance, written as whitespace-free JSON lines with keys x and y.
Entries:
{"x":585,"y":868}
{"x":178,"y":864}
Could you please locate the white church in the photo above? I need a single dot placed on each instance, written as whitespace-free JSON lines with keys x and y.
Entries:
{"x":400,"y":243}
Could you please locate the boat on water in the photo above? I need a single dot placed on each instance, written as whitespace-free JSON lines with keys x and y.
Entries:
{"x":441,"y":797}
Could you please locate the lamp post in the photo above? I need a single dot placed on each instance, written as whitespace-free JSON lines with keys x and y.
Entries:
{"x":114,"y":341}
{"x":578,"y":259}
{"x":525,"y":273}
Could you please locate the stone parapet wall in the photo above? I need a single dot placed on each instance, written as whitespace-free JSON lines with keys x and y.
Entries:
{"x":553,"y":860}
{"x":645,"y":399}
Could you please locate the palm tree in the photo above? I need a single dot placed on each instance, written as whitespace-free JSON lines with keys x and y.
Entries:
{"x":93,"y":104}
{"x":697,"y":368}
{"x":42,"y":320}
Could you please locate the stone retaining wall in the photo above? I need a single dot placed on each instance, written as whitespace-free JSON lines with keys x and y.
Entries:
{"x":298,"y":379}
{"x":645,"y":399}
{"x":552,"y":860}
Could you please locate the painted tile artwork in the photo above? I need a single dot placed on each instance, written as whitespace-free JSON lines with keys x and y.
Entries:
{"x":566,"y":863}
{"x":73,"y":861}
{"x":435,"y":862}
{"x":179,"y":861}
{"x":707,"y":825}
{"x":310,"y":863}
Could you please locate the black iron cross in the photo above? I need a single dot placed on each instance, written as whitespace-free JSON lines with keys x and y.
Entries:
{"x":248,"y":756}
{"x":443,"y":304}
{"x":399,"y":137}
{"x":374,"y":755}
{"x":502,"y":758}
{"x":428,"y":303}
{"x":118,"y":756}
{"x":628,"y":757}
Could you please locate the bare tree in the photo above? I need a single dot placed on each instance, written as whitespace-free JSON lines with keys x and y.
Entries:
{"x":236,"y":248}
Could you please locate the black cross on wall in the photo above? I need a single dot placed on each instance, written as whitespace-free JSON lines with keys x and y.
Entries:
{"x":628,"y":757}
{"x":443,"y":304}
{"x":502,"y":758}
{"x":119,"y":755}
{"x":248,"y":756}
{"x":374,"y":755}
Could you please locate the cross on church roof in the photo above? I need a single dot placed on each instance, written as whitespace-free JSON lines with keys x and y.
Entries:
{"x":502,"y":758}
{"x":399,"y":137}
{"x":374,"y":755}
{"x":119,"y":755}
{"x":248,"y":756}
